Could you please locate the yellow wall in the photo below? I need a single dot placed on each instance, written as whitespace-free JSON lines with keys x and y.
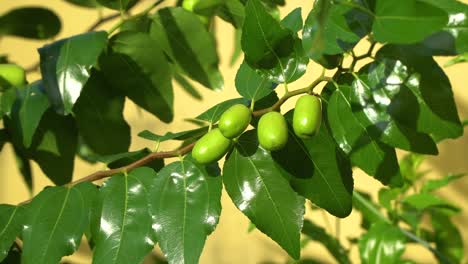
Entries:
{"x":230,"y":243}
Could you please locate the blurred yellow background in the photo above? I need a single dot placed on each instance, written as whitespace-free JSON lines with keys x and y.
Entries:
{"x":230,"y":243}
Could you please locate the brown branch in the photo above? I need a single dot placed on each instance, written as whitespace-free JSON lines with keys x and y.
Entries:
{"x":99,"y":175}
{"x":290,"y":94}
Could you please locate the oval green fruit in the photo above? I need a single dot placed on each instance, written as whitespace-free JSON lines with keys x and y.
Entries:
{"x":190,"y":5}
{"x":211,"y":147}
{"x":307,"y":116}
{"x":12,"y":74}
{"x":272,"y":131}
{"x":234,"y":120}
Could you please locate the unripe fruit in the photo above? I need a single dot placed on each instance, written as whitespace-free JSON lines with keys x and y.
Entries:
{"x":234,"y":120}
{"x":307,"y":116}
{"x":272,"y":131}
{"x":211,"y":147}
{"x":13,"y":74}
{"x":190,"y":5}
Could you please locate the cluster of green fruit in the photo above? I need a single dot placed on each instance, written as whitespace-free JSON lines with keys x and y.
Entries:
{"x":272,"y":130}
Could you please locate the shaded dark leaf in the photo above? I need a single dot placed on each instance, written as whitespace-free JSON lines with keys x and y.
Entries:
{"x":30,"y":22}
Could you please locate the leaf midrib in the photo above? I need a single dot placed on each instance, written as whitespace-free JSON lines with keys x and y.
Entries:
{"x":271,"y":199}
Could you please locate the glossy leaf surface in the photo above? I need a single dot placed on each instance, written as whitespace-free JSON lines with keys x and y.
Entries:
{"x":11,"y":224}
{"x":374,"y":157}
{"x":318,"y":172}
{"x":251,"y":85}
{"x":375,"y":93}
{"x":56,"y":220}
{"x":66,"y":66}
{"x":185,"y":202}
{"x":124,"y":234}
{"x":137,"y":60}
{"x":264,"y":40}
{"x":406,"y":22}
{"x":344,"y":24}
{"x":263,"y":194}
{"x":425,"y":99}
{"x":383,"y":243}
{"x":186,"y":41}
{"x":33,"y":104}
{"x":99,"y":117}
{"x":30,"y":22}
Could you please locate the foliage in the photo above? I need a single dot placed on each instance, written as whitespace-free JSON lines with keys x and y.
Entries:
{"x":401,"y":99}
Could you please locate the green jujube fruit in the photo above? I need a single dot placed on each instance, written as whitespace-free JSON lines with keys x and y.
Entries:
{"x":211,"y":147}
{"x":272,"y":131}
{"x":235,"y":120}
{"x":307,"y":116}
{"x":190,"y":5}
{"x":11,"y":75}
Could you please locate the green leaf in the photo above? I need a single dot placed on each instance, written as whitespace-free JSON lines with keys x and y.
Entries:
{"x":271,"y":47}
{"x":386,"y":196}
{"x":187,"y":86}
{"x":453,"y":39}
{"x":24,"y":166}
{"x":336,"y":28}
{"x":84,"y":3}
{"x":99,"y":117}
{"x":264,"y":40}
{"x":448,"y":239}
{"x":185,"y":202}
{"x":53,"y":147}
{"x":372,"y":156}
{"x":124,"y":234}
{"x":250,"y":85}
{"x":33,"y":104}
{"x":183,"y":135}
{"x":126,"y":158}
{"x":263,"y":194}
{"x":186,"y":41}
{"x":14,"y":257}
{"x":318,"y":172}
{"x":293,"y":21}
{"x":231,"y":11}
{"x":459,"y":59}
{"x":137,"y":60}
{"x":137,"y":23}
{"x":56,"y":220}
{"x":383,"y":243}
{"x":432,"y":185}
{"x":424,"y":201}
{"x":121,"y":5}
{"x":66,"y":66}
{"x":7,"y":99}
{"x":370,"y":212}
{"x":213,"y":114}
{"x":409,"y":165}
{"x":291,"y":68}
{"x":11,"y":223}
{"x":237,"y":49}
{"x":431,"y":108}
{"x":375,"y":95}
{"x":30,"y":22}
{"x":333,"y":246}
{"x":406,"y":22}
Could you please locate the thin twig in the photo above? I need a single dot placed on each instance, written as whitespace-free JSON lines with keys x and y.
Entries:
{"x":290,"y":94}
{"x":184,"y":150}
